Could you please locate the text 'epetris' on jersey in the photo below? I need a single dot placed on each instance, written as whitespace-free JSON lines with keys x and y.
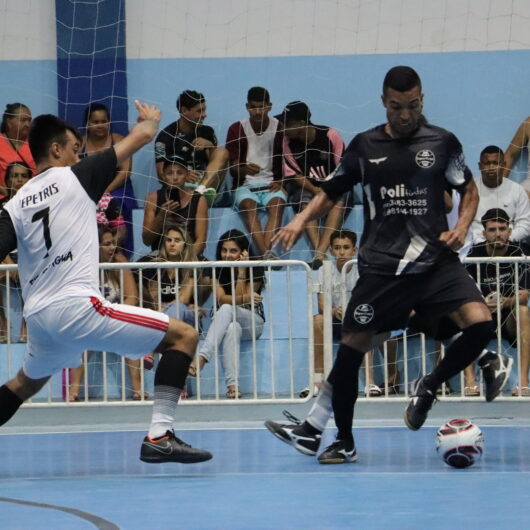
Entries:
{"x":403,"y":182}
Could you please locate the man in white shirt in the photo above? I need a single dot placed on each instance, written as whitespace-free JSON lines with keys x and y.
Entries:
{"x":52,"y":223}
{"x":498,"y":192}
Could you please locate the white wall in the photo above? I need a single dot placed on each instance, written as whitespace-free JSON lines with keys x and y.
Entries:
{"x":265,"y":28}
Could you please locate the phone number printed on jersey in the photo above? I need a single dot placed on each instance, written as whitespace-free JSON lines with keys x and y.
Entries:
{"x":405,"y":207}
{"x":396,"y":210}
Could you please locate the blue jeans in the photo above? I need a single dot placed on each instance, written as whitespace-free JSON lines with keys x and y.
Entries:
{"x":182,"y":312}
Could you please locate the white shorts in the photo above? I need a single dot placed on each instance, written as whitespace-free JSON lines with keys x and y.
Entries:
{"x":58,"y":335}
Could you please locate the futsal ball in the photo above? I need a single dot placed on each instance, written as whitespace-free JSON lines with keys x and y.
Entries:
{"x":460,"y":443}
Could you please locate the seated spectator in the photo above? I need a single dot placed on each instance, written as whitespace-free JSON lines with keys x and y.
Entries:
{"x":172,"y":292}
{"x":520,"y":141}
{"x":255,"y":155}
{"x":111,"y":290}
{"x":118,"y":200}
{"x":14,"y":146}
{"x":498,"y":192}
{"x":174,"y":204}
{"x":17,"y":174}
{"x":229,"y":327}
{"x":501,"y":292}
{"x":189,"y":137}
{"x":311,"y":153}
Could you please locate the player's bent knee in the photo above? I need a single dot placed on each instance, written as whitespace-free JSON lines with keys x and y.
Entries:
{"x":180,"y":336}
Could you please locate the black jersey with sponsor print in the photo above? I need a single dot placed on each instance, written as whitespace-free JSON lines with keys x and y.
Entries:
{"x":171,"y":141}
{"x":486,"y":273}
{"x":403,"y":183}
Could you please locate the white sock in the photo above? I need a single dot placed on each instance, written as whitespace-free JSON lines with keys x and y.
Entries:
{"x":322,"y":408}
{"x":201,"y":188}
{"x":164,"y":405}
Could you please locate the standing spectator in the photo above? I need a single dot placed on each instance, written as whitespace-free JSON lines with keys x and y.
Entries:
{"x":501,"y":292}
{"x":14,"y":139}
{"x":311,"y":154}
{"x":231,"y":325}
{"x":520,"y":141}
{"x":100,"y":136}
{"x":498,"y":192}
{"x":175,"y":204}
{"x":255,"y":154}
{"x":190,"y":138}
{"x":111,"y":289}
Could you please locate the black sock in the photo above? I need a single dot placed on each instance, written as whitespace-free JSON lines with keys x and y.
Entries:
{"x":462,"y":352}
{"x":9,"y":404}
{"x":310,"y":429}
{"x":344,"y":378}
{"x":172,"y":369}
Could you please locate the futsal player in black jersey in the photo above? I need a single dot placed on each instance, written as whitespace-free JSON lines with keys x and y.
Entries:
{"x":407,"y":262}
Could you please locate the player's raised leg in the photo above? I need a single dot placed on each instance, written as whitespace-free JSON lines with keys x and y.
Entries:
{"x":161,"y":445}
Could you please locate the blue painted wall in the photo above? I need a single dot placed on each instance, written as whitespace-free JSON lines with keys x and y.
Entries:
{"x":480,"y":96}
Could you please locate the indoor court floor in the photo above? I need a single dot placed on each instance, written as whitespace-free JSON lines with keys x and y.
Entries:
{"x":89,"y":480}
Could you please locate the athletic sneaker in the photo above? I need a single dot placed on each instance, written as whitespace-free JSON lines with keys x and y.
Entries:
{"x":419,"y":405}
{"x":295,"y":435}
{"x":169,"y":448}
{"x":496,"y":368}
{"x":339,"y":452}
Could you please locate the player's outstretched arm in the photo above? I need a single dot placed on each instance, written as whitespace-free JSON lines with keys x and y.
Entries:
{"x":141,"y":134}
{"x":320,"y":205}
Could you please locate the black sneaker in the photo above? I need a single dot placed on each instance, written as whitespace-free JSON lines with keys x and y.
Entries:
{"x":419,"y":405}
{"x":169,"y":448}
{"x":296,"y":436}
{"x":339,"y":452}
{"x":496,"y":368}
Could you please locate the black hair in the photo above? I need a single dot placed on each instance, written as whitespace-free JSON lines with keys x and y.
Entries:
{"x":105,"y":229}
{"x":401,"y":78}
{"x":44,"y":131}
{"x":9,"y":112}
{"x":189,"y":98}
{"x":492,"y":150}
{"x":258,"y":93}
{"x":238,"y":237}
{"x":93,"y":107}
{"x":9,"y":169}
{"x":343,"y":234}
{"x":495,"y":214}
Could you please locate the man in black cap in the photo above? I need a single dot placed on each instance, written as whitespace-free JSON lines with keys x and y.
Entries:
{"x":311,"y":154}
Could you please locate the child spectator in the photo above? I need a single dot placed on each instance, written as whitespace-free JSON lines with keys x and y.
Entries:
{"x":176,"y":205}
{"x":255,"y":155}
{"x":231,"y":325}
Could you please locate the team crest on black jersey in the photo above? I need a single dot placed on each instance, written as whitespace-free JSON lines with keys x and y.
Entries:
{"x":363,"y":313}
{"x":425,"y":158}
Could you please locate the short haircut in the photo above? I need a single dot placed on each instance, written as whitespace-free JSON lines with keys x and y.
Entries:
{"x":343,"y":234}
{"x":492,"y":150}
{"x":93,"y":107}
{"x":9,"y":112}
{"x":495,"y":214}
{"x":44,"y":131}
{"x":401,"y":78}
{"x":189,"y":98}
{"x":258,"y":93}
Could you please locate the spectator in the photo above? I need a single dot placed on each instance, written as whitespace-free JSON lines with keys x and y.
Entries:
{"x":231,"y":325}
{"x":255,"y":154}
{"x":175,"y":204}
{"x":14,"y":140}
{"x":311,"y":153}
{"x":117,"y":207}
{"x":498,"y":192}
{"x":175,"y":288}
{"x":501,"y":292}
{"x":16,"y":175}
{"x":111,"y":290}
{"x":518,"y":143}
{"x":190,"y":138}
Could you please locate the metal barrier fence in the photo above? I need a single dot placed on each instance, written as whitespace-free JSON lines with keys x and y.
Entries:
{"x":273,"y":362}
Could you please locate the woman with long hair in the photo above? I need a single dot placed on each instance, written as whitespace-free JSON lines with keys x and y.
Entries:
{"x":239,"y":309}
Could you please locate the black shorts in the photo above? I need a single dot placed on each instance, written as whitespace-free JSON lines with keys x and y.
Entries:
{"x":384,"y":303}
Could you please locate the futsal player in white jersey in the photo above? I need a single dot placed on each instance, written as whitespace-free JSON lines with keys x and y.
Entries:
{"x":52,"y":223}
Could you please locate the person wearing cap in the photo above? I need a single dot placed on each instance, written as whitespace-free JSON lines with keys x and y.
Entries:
{"x":255,"y":155}
{"x":311,"y":154}
{"x":501,"y":292}
{"x":175,"y":204}
{"x":188,"y":136}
